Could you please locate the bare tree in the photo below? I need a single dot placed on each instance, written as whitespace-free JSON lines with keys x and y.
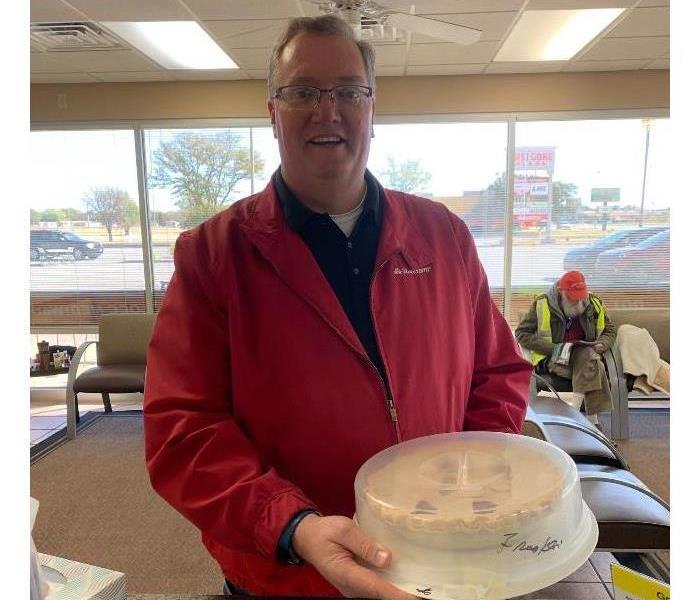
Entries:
{"x":109,"y":206}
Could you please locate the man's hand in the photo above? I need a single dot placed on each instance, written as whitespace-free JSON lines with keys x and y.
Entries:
{"x":599,"y":348}
{"x":336,"y":547}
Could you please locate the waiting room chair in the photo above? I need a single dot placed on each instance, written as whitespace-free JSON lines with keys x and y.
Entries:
{"x":631,"y":518}
{"x":121,"y":362}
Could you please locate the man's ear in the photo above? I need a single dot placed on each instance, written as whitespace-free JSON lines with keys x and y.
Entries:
{"x":271,"y":110}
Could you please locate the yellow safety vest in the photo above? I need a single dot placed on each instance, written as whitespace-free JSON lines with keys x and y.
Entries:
{"x":544,"y":325}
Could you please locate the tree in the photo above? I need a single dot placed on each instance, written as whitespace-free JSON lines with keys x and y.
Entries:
{"x":565,"y":201}
{"x":130,"y":216}
{"x":53,"y":215}
{"x":406,"y":176}
{"x":107,"y":205}
{"x":73,"y":214}
{"x":202,"y":171}
{"x":34,"y":217}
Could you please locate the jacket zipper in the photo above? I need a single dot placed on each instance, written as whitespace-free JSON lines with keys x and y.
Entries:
{"x":385,"y":384}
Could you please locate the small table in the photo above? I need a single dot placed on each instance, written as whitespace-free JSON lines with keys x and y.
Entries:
{"x":50,"y":371}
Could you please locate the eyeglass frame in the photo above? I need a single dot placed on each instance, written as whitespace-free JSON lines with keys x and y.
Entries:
{"x":330,"y":91}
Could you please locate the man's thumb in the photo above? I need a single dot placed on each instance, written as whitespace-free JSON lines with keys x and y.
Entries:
{"x":380,"y":557}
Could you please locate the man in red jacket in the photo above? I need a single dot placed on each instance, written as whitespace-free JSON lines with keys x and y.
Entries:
{"x":307,"y":328}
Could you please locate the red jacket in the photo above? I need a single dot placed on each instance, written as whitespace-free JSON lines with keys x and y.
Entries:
{"x":260,"y":399}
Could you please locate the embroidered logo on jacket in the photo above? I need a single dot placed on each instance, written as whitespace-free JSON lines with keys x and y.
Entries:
{"x":405,"y":271}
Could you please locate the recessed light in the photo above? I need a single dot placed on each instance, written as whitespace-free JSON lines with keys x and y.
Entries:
{"x":174,"y":44}
{"x":554,"y":34}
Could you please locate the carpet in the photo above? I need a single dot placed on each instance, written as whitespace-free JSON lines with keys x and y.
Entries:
{"x":97,"y":506}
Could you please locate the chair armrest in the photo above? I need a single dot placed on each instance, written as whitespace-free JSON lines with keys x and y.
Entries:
{"x":534,"y":423}
{"x":70,"y":395}
{"x":619,"y":418}
{"x":594,"y":433}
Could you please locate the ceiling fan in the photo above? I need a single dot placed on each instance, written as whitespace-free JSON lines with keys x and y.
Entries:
{"x":370,"y":20}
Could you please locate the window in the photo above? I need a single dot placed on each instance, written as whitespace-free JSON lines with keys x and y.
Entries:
{"x":582,"y":201}
{"x":461,"y":165}
{"x":192,"y":174}
{"x":85,"y":242}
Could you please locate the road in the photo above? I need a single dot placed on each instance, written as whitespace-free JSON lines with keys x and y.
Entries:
{"x":122,"y":268}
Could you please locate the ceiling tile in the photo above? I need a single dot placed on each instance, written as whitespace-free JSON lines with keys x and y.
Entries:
{"x":390,"y":55}
{"x":209,"y":75}
{"x":627,"y":48}
{"x":659,"y":63}
{"x":434,"y":7}
{"x":655,"y":3}
{"x":450,"y":54}
{"x":605,"y":65}
{"x":250,"y":58}
{"x":493,"y":26}
{"x":526,"y":67}
{"x":95,"y":62}
{"x":47,"y":11}
{"x":118,"y":76}
{"x":132,"y":10}
{"x":247,"y":34}
{"x":644,"y":22}
{"x":471,"y":69}
{"x":62,"y":78}
{"x":386,"y":71}
{"x":577,"y":4}
{"x":243,"y":9}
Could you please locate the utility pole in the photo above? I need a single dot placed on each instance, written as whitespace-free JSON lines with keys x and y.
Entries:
{"x":647,"y":125}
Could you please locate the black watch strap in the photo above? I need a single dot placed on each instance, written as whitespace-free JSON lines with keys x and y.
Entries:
{"x":285,"y":551}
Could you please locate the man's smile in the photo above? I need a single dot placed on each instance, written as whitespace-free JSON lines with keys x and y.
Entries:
{"x":326,"y":140}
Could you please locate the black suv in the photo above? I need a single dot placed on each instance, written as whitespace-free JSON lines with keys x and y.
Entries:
{"x":44,"y":244}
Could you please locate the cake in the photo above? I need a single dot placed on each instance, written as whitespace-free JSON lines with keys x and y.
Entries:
{"x":462,"y":486}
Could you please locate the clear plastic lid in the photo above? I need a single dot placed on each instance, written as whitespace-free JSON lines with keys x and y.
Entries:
{"x":475,"y":513}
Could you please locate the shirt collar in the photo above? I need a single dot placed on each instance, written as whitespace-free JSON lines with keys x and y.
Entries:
{"x":297,"y":215}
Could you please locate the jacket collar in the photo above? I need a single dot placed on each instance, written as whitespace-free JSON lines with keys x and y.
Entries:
{"x":267,"y":228}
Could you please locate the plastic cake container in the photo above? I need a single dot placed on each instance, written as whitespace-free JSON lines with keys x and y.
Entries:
{"x":475,"y":515}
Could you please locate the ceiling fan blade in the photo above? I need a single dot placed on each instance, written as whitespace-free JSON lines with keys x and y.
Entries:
{"x":459,"y":34}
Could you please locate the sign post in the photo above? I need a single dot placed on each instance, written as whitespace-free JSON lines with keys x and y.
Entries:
{"x":605,"y":195}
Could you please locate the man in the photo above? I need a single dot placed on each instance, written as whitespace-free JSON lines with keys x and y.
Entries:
{"x":569,"y":314}
{"x":307,"y":328}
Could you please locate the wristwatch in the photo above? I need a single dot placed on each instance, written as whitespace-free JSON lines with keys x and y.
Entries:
{"x":285,"y":551}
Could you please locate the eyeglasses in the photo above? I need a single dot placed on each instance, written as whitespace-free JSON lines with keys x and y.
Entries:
{"x":308,"y":96}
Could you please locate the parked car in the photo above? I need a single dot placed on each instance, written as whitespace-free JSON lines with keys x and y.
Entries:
{"x":646,"y":263}
{"x":51,"y":243}
{"x":584,"y":258}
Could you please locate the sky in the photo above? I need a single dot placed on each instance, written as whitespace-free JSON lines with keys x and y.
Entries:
{"x":459,"y":156}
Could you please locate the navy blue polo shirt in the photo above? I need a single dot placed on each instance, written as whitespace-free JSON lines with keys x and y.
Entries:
{"x":346,"y":262}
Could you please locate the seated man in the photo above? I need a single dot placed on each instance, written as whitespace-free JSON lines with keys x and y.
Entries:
{"x":569,"y":314}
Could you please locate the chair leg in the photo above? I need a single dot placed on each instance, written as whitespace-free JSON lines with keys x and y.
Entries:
{"x":77,"y":412}
{"x":106,"y":402}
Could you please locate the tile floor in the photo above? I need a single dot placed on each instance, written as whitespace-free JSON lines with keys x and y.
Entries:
{"x":590,"y":582}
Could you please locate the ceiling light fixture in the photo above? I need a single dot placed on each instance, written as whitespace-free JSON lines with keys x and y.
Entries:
{"x":173,"y":44}
{"x":554,"y":34}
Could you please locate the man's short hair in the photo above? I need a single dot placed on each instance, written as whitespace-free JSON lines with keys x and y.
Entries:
{"x":322,"y":25}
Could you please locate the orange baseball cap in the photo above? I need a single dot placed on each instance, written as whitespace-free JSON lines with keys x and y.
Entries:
{"x":573,"y":284}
